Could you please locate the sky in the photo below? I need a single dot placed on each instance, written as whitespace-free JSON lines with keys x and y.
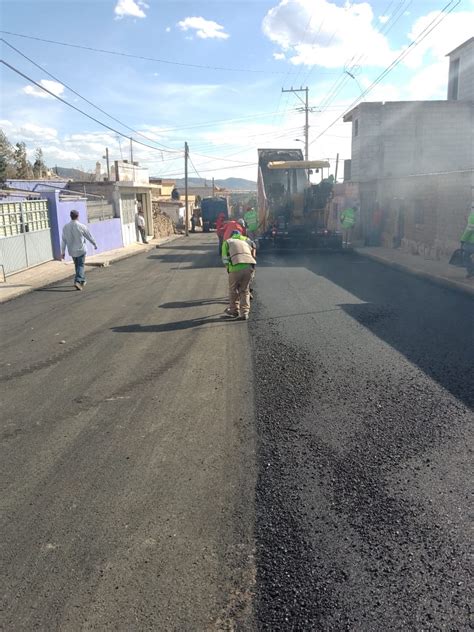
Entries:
{"x":211,"y":74}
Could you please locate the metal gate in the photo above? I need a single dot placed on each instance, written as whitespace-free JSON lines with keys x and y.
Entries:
{"x":25,"y":235}
{"x":129,"y":230}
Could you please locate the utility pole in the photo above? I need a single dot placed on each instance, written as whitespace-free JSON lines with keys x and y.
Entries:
{"x":131,"y":150}
{"x":306,"y":109}
{"x":186,"y":212}
{"x":337,"y":165}
{"x":108,"y":163}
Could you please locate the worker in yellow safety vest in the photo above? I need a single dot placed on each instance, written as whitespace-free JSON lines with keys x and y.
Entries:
{"x":467,"y":244}
{"x":238,"y":256}
{"x":251,"y":220}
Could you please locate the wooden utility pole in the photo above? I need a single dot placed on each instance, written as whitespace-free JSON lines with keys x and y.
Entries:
{"x":186,"y":212}
{"x":337,"y":165}
{"x":306,"y":109}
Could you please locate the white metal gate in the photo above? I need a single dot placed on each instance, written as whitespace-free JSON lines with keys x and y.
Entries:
{"x":25,"y":235}
{"x":129,"y":230}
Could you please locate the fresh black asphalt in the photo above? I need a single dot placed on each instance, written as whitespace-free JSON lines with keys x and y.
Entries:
{"x":164,"y":469}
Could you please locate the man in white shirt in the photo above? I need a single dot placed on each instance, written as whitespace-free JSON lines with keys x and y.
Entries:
{"x":140,"y":220}
{"x":74,"y":237}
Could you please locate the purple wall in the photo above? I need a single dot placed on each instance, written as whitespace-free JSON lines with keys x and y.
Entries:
{"x":107,"y":234}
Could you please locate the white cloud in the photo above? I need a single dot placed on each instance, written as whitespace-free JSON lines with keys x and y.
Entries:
{"x":278,"y":56}
{"x":322,"y":33}
{"x":53,"y":153}
{"x":53,"y":86}
{"x":205,"y":29}
{"x":132,"y":8}
{"x":383,"y":19}
{"x":430,"y":82}
{"x":168,"y":29}
{"x":36,"y":133}
{"x":455,"y":29}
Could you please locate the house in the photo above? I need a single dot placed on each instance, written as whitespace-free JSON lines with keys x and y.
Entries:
{"x":413,"y":161}
{"x":122,"y":197}
{"x":461,"y":72}
{"x":32,"y":216}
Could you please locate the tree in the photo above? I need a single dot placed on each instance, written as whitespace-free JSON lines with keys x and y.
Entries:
{"x":39,"y":166}
{"x":6,"y":157}
{"x":21,"y":161}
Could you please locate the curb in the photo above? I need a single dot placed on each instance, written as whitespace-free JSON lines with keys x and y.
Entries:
{"x":421,"y":274}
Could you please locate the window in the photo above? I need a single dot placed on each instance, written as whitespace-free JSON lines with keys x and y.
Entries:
{"x":356,"y":127}
{"x":453,"y":83}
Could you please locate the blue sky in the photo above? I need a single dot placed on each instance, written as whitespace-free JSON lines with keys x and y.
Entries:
{"x":263,"y":45}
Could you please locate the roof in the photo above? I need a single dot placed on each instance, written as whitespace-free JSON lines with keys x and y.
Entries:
{"x":469,"y":41}
{"x":347,"y":118}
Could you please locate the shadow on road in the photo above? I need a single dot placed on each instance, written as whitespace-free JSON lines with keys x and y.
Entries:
{"x":178,"y":325}
{"x":430,"y":325}
{"x":195,"y":303}
{"x":56,"y":288}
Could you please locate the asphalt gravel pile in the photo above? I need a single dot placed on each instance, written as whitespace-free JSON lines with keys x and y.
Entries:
{"x":363,"y":487}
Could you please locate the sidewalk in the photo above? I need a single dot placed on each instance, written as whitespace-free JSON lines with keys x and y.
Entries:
{"x":439,"y":272}
{"x":53,"y":271}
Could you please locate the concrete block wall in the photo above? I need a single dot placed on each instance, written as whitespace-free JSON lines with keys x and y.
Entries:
{"x":407,"y":138}
{"x":424,"y":216}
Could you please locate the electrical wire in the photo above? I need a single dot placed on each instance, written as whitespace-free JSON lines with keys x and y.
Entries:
{"x":101,"y":123}
{"x":421,"y":36}
{"x":142,"y":57}
{"x":165,"y":148}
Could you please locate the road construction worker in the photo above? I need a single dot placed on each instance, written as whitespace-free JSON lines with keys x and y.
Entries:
{"x":234,"y":224}
{"x":467,"y":244}
{"x":220,"y":227}
{"x":348,"y":221}
{"x":251,"y":220}
{"x":238,"y":256}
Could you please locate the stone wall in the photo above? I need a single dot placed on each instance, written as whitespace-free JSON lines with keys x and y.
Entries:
{"x":163,"y":226}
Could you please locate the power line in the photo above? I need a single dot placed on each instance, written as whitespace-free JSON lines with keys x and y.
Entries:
{"x":192,"y":164}
{"x":38,"y":85}
{"x":87,"y":100}
{"x":421,"y":36}
{"x":142,"y":57}
{"x":354,"y":62}
{"x":177,"y":175}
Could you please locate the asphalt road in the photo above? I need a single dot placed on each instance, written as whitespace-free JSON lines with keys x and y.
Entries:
{"x":127,"y":460}
{"x":364,"y":412}
{"x":162,"y":469}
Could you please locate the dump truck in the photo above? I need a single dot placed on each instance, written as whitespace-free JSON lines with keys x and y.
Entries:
{"x":293,"y":212}
{"x":211,"y":208}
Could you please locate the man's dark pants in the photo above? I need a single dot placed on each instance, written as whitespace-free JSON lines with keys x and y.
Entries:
{"x":79,"y":267}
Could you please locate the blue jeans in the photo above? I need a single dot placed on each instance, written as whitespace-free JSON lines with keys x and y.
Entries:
{"x":79,"y":266}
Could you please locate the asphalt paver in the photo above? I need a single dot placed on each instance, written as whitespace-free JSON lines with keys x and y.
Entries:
{"x":364,"y":411}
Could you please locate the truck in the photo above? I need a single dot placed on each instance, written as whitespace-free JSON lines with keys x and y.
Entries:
{"x":293,"y":212}
{"x":211,"y":208}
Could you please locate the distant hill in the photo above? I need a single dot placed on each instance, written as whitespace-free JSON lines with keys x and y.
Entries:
{"x":229,"y":183}
{"x":73,"y":174}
